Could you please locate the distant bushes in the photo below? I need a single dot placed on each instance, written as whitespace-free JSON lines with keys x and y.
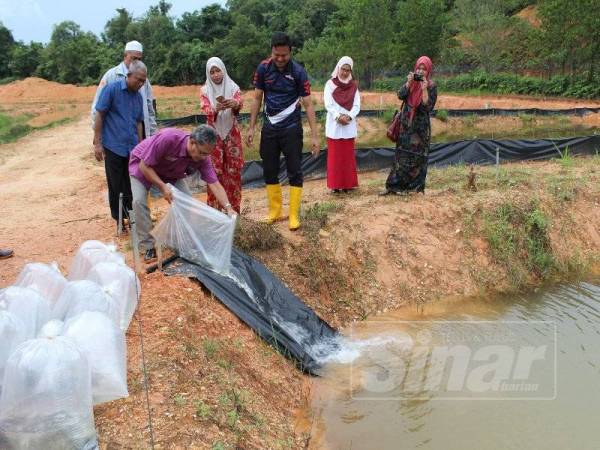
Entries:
{"x":506,"y":83}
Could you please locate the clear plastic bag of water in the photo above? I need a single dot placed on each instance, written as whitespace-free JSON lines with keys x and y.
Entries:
{"x":46,"y":401}
{"x":44,"y":278}
{"x":84,"y":295}
{"x":29,"y":306}
{"x":51,"y":328}
{"x":123,"y":286}
{"x":197,"y":232}
{"x":103,"y":343}
{"x":12,"y":333}
{"x":89,"y":254}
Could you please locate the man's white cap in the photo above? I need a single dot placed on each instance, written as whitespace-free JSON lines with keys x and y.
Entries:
{"x":134,"y":46}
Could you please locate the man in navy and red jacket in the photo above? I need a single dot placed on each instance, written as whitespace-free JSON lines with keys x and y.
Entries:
{"x":284,"y":85}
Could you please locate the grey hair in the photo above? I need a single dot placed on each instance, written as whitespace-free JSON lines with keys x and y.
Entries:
{"x":204,"y":134}
{"x":136,"y":66}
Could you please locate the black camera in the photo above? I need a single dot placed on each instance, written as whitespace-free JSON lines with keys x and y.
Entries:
{"x":417,"y":77}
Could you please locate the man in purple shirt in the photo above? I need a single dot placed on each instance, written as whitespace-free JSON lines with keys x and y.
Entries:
{"x":165,"y":158}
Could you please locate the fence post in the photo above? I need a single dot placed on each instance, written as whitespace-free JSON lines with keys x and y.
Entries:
{"x":120,"y":224}
{"x":134,"y":241}
{"x":497,"y":164}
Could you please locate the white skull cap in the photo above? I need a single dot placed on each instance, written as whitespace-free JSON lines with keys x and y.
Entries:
{"x":134,"y":46}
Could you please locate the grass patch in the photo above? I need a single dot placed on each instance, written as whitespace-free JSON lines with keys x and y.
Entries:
{"x":527,"y":120}
{"x":442,"y":114}
{"x":563,"y":188}
{"x":211,"y":347}
{"x":316,"y":216}
{"x":13,"y":128}
{"x":256,"y":236}
{"x":203,"y":411}
{"x":388,"y":115}
{"x":566,"y":159}
{"x":519,"y":241}
{"x":179,"y":400}
{"x":447,"y":177}
{"x":455,"y":178}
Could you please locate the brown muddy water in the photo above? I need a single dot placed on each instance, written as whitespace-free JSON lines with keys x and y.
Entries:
{"x":515,"y":372}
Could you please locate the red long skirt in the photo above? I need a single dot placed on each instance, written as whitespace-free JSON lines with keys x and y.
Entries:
{"x":341,"y":164}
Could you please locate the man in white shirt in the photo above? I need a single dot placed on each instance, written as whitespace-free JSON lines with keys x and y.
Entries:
{"x":133,"y":52}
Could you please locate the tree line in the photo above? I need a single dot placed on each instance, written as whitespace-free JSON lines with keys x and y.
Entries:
{"x":383,"y":36}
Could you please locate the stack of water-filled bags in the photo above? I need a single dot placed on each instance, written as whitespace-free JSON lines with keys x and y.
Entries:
{"x":62,"y":348}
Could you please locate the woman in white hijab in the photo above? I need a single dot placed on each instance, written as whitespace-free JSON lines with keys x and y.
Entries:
{"x":221,"y":103}
{"x":342,"y":101}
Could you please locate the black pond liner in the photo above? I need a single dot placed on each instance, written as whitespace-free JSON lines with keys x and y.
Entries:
{"x":197,"y":119}
{"x":273,"y":312}
{"x":279,"y":316}
{"x":475,"y":151}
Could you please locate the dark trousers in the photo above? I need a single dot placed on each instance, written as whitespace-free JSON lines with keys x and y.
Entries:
{"x":117,"y":178}
{"x":273,"y":143}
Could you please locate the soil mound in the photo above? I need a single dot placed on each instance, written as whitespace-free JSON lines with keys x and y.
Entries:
{"x":38,"y":89}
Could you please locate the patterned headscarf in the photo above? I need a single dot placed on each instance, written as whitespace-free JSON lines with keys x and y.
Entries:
{"x":227,"y":88}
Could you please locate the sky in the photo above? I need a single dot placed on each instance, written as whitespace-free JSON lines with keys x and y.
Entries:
{"x":32,"y":20}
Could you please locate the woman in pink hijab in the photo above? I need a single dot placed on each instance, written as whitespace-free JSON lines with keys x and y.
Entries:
{"x":418,"y":96}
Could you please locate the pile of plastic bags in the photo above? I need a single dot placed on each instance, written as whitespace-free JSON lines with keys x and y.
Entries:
{"x":63,"y":349}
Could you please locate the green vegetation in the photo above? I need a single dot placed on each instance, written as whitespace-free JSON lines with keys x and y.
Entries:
{"x":442,"y":114}
{"x":517,"y":223}
{"x":210,"y":347}
{"x":317,"y":215}
{"x":12,"y":128}
{"x":518,"y":239}
{"x":485,"y":43}
{"x":511,"y":83}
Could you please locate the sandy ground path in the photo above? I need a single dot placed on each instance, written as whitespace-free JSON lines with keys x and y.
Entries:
{"x":52,"y":197}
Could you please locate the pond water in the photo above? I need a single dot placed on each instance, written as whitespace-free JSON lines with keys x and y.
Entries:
{"x":514,"y":372}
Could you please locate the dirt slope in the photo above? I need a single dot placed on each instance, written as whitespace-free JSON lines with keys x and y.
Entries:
{"x":211,"y":380}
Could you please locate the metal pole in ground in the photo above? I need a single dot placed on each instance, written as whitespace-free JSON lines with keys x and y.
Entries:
{"x":497,"y":163}
{"x":134,"y":241}
{"x":120,"y":224}
{"x":159,"y":254}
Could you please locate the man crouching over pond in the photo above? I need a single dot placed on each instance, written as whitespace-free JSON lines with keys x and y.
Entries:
{"x":165,"y":158}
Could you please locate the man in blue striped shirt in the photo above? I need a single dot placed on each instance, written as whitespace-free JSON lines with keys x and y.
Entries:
{"x":117,"y":129}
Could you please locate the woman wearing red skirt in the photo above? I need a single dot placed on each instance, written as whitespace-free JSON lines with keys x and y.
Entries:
{"x":221,"y":102}
{"x":342,"y":101}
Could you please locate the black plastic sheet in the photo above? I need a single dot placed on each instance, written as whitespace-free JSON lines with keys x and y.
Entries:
{"x":275,"y":313}
{"x":196,"y":119}
{"x":480,"y":151}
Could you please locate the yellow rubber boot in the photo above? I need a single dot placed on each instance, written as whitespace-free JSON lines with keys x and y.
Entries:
{"x":274,"y":197}
{"x":295,"y":196}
